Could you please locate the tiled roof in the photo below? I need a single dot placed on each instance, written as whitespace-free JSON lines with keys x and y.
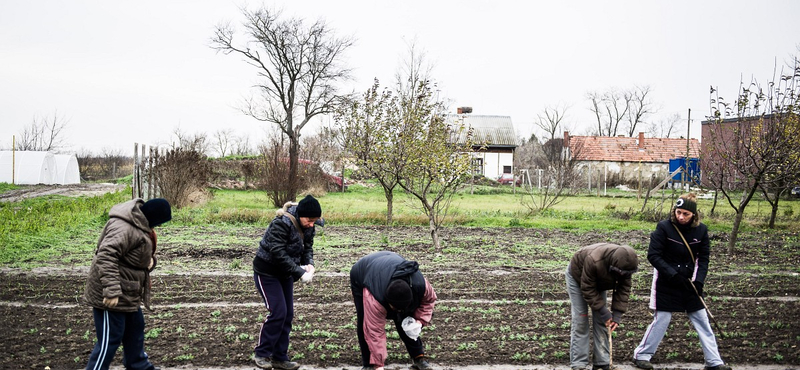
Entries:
{"x":626,"y":149}
{"x":490,"y":130}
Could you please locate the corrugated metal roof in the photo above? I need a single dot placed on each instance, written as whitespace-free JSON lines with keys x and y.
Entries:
{"x":497,"y":131}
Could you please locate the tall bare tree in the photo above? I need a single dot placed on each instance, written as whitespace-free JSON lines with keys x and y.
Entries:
{"x":550,"y":120}
{"x":298,"y":65}
{"x":667,"y":127}
{"x":617,"y":110}
{"x":223,"y":141}
{"x":44,"y":134}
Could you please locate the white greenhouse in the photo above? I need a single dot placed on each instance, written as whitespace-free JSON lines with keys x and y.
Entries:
{"x":31,"y":168}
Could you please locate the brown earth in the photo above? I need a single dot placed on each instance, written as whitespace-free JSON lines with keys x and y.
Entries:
{"x":501,"y":293}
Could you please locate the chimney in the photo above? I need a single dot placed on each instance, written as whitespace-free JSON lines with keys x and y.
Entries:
{"x":641,"y":141}
{"x":566,"y":139}
{"x":464,"y":110}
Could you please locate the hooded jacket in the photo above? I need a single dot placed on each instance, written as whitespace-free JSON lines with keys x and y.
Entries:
{"x":671,"y":260}
{"x":596,"y":269}
{"x":283,"y":249}
{"x":370,"y":276}
{"x":119,"y":267}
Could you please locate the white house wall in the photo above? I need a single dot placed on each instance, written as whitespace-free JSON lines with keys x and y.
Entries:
{"x":493,"y":163}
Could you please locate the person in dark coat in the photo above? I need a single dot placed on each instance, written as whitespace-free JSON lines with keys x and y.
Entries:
{"x":678,"y":278}
{"x":592,"y":271}
{"x":285,"y":255}
{"x":119,"y":281}
{"x":386,"y":286}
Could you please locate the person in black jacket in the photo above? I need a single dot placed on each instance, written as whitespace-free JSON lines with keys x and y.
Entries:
{"x":285,"y":255}
{"x":678,"y":279}
{"x":387,"y":286}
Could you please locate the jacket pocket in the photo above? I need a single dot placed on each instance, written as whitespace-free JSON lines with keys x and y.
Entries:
{"x":130,"y":288}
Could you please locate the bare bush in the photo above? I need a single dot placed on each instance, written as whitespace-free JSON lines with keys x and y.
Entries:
{"x":109,"y":165}
{"x":180,"y":172}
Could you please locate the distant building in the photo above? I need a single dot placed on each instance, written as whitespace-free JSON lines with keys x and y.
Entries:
{"x":495,"y":143}
{"x":627,"y":159}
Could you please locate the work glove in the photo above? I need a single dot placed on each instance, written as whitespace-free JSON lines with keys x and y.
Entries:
{"x":699,"y":286}
{"x":110,"y":302}
{"x":306,"y":278}
{"x":309,"y":268}
{"x":412,"y":327}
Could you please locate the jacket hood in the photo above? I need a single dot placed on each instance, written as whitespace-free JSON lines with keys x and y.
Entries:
{"x":405,"y":269}
{"x":624,"y":260}
{"x":131,"y":213}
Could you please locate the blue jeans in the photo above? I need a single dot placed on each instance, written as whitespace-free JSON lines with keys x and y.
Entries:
{"x":115,"y":328}
{"x":278,"y":295}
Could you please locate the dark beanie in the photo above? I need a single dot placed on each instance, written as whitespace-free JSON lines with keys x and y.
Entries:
{"x":157,"y":211}
{"x":687,"y":204}
{"x":399,"y":295}
{"x":309,"y":207}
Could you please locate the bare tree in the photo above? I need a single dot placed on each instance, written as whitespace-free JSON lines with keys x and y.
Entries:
{"x":666,"y":127}
{"x":640,"y":106}
{"x":757,"y":147}
{"x":43,"y":134}
{"x":614,"y":107}
{"x":298,"y":65}
{"x":559,"y":161}
{"x":550,"y":120}
{"x":240,"y":146}
{"x":197,"y":141}
{"x":610,"y":108}
{"x":223,"y":141}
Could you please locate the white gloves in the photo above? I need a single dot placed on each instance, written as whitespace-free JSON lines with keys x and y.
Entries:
{"x":306,"y":278}
{"x":412,"y":327}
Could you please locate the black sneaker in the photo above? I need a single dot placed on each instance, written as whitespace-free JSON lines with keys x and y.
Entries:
{"x":600,"y":367}
{"x":718,"y":367}
{"x":643,"y":364}
{"x":420,"y":363}
{"x":285,"y":365}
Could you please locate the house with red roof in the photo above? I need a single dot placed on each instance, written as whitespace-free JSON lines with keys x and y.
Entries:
{"x":627,"y":160}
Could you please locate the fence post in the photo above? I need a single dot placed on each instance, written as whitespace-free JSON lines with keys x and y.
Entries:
{"x":134,"y":189}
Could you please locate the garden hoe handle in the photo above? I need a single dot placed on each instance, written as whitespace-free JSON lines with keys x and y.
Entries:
{"x":703,"y":301}
{"x":610,"y":350}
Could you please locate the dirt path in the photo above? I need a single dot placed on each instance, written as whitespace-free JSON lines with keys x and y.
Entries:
{"x":73,"y":190}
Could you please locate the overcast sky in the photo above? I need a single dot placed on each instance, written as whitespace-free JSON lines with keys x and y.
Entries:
{"x":125,"y":72}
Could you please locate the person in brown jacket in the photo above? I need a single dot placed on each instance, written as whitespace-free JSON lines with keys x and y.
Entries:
{"x":592,"y":271}
{"x":119,"y":281}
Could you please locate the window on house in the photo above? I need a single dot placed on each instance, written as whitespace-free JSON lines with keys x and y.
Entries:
{"x":477,"y":166}
{"x":506,"y":169}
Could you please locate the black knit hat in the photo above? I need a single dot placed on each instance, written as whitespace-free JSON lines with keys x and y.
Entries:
{"x":687,"y":204}
{"x":157,"y":211}
{"x":309,"y":207}
{"x":399,"y":295}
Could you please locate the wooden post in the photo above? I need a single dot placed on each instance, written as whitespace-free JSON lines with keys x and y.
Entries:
{"x":134,"y":189}
{"x":150,"y":174}
{"x":13,"y":159}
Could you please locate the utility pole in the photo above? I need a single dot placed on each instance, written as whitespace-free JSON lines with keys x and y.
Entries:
{"x":688,"y":140}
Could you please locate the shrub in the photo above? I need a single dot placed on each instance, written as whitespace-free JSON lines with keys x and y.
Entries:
{"x":180,"y":172}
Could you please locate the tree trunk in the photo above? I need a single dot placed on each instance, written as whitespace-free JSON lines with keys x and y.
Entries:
{"x":434,"y":232}
{"x":774,"y":213}
{"x":737,"y":221}
{"x":389,"y":205}
{"x":294,"y":149}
